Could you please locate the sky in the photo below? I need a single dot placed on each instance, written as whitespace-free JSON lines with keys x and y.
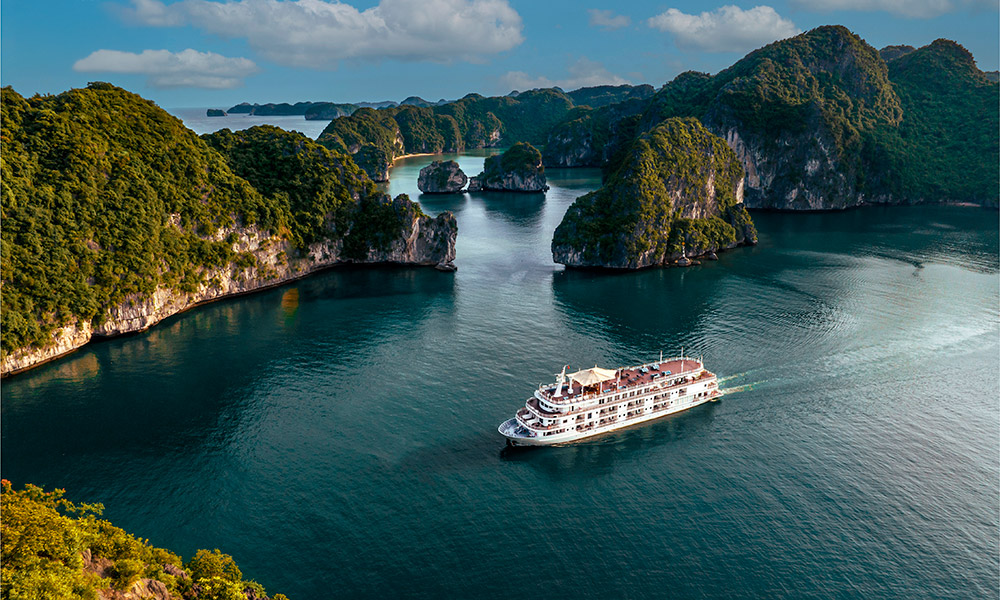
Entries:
{"x":217,"y":53}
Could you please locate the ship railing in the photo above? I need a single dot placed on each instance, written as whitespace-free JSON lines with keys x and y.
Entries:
{"x":658,"y":393}
{"x":538,"y":426}
{"x":548,"y":389}
{"x":545,"y":390}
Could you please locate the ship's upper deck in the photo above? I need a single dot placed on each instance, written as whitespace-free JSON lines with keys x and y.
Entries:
{"x":670,"y":370}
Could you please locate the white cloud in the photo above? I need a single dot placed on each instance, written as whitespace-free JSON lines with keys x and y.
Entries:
{"x":165,"y":69}
{"x":726,"y":29}
{"x":319,"y":34}
{"x":608,"y":19}
{"x":583,"y":73}
{"x":919,"y":9}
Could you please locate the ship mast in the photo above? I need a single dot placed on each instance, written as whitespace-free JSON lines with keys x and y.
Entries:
{"x":562,"y":378}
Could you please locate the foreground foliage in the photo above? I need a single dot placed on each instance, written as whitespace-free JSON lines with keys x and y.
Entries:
{"x":53,"y":549}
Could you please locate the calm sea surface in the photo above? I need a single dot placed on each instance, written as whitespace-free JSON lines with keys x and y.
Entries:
{"x":337,"y":435}
{"x":197,"y":120}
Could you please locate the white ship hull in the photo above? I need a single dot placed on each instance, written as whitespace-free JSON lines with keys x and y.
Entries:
{"x":574,"y":436}
{"x":598,"y":406}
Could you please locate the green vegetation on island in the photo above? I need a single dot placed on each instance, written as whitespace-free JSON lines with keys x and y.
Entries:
{"x":314,"y":193}
{"x":107,"y":199}
{"x":53,"y":549}
{"x":471,"y":122}
{"x":821,"y":121}
{"x":93,"y":181}
{"x":947,"y":146}
{"x":677,"y":189}
{"x":603,"y":95}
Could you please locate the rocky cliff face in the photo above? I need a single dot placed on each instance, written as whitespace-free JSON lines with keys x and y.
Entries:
{"x":793,"y":172}
{"x":680,"y":189}
{"x":422,"y":240}
{"x":441,"y":178}
{"x":802,"y":117}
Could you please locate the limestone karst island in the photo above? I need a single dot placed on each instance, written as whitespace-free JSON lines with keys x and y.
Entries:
{"x":272,"y":272}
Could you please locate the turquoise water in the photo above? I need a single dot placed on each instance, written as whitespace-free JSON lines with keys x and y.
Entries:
{"x":338,"y":435}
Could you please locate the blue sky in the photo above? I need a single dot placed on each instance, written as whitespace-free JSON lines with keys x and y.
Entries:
{"x":221,"y":52}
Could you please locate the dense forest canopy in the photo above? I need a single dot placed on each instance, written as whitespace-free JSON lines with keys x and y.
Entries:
{"x":104,"y":195}
{"x":106,"y":198}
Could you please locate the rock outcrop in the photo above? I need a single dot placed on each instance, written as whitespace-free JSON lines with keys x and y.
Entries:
{"x":679,"y":190}
{"x":519,"y":169}
{"x":422,"y":240}
{"x":215,"y":112}
{"x":441,"y":178}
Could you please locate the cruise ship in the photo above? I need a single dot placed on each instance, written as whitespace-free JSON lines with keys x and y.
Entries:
{"x":595,"y":401}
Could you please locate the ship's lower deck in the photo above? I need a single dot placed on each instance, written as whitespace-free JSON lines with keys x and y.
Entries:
{"x":519,"y":435}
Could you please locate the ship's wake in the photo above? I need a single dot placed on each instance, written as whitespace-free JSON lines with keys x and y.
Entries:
{"x":741,"y":387}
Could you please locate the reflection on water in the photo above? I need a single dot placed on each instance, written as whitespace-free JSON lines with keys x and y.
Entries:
{"x":648,"y":310}
{"x":199,"y":370}
{"x":581,"y":180}
{"x":438,"y":203}
{"x":915,"y":235}
{"x":290,"y":303}
{"x":524,"y":210}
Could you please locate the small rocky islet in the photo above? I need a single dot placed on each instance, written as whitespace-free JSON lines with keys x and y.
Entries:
{"x":442,"y":177}
{"x":518,"y":169}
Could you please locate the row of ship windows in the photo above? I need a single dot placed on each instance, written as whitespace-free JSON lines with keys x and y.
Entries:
{"x":617,"y":397}
{"x":655,"y":407}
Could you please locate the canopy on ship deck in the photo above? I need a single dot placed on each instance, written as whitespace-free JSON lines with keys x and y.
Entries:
{"x":592,"y":376}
